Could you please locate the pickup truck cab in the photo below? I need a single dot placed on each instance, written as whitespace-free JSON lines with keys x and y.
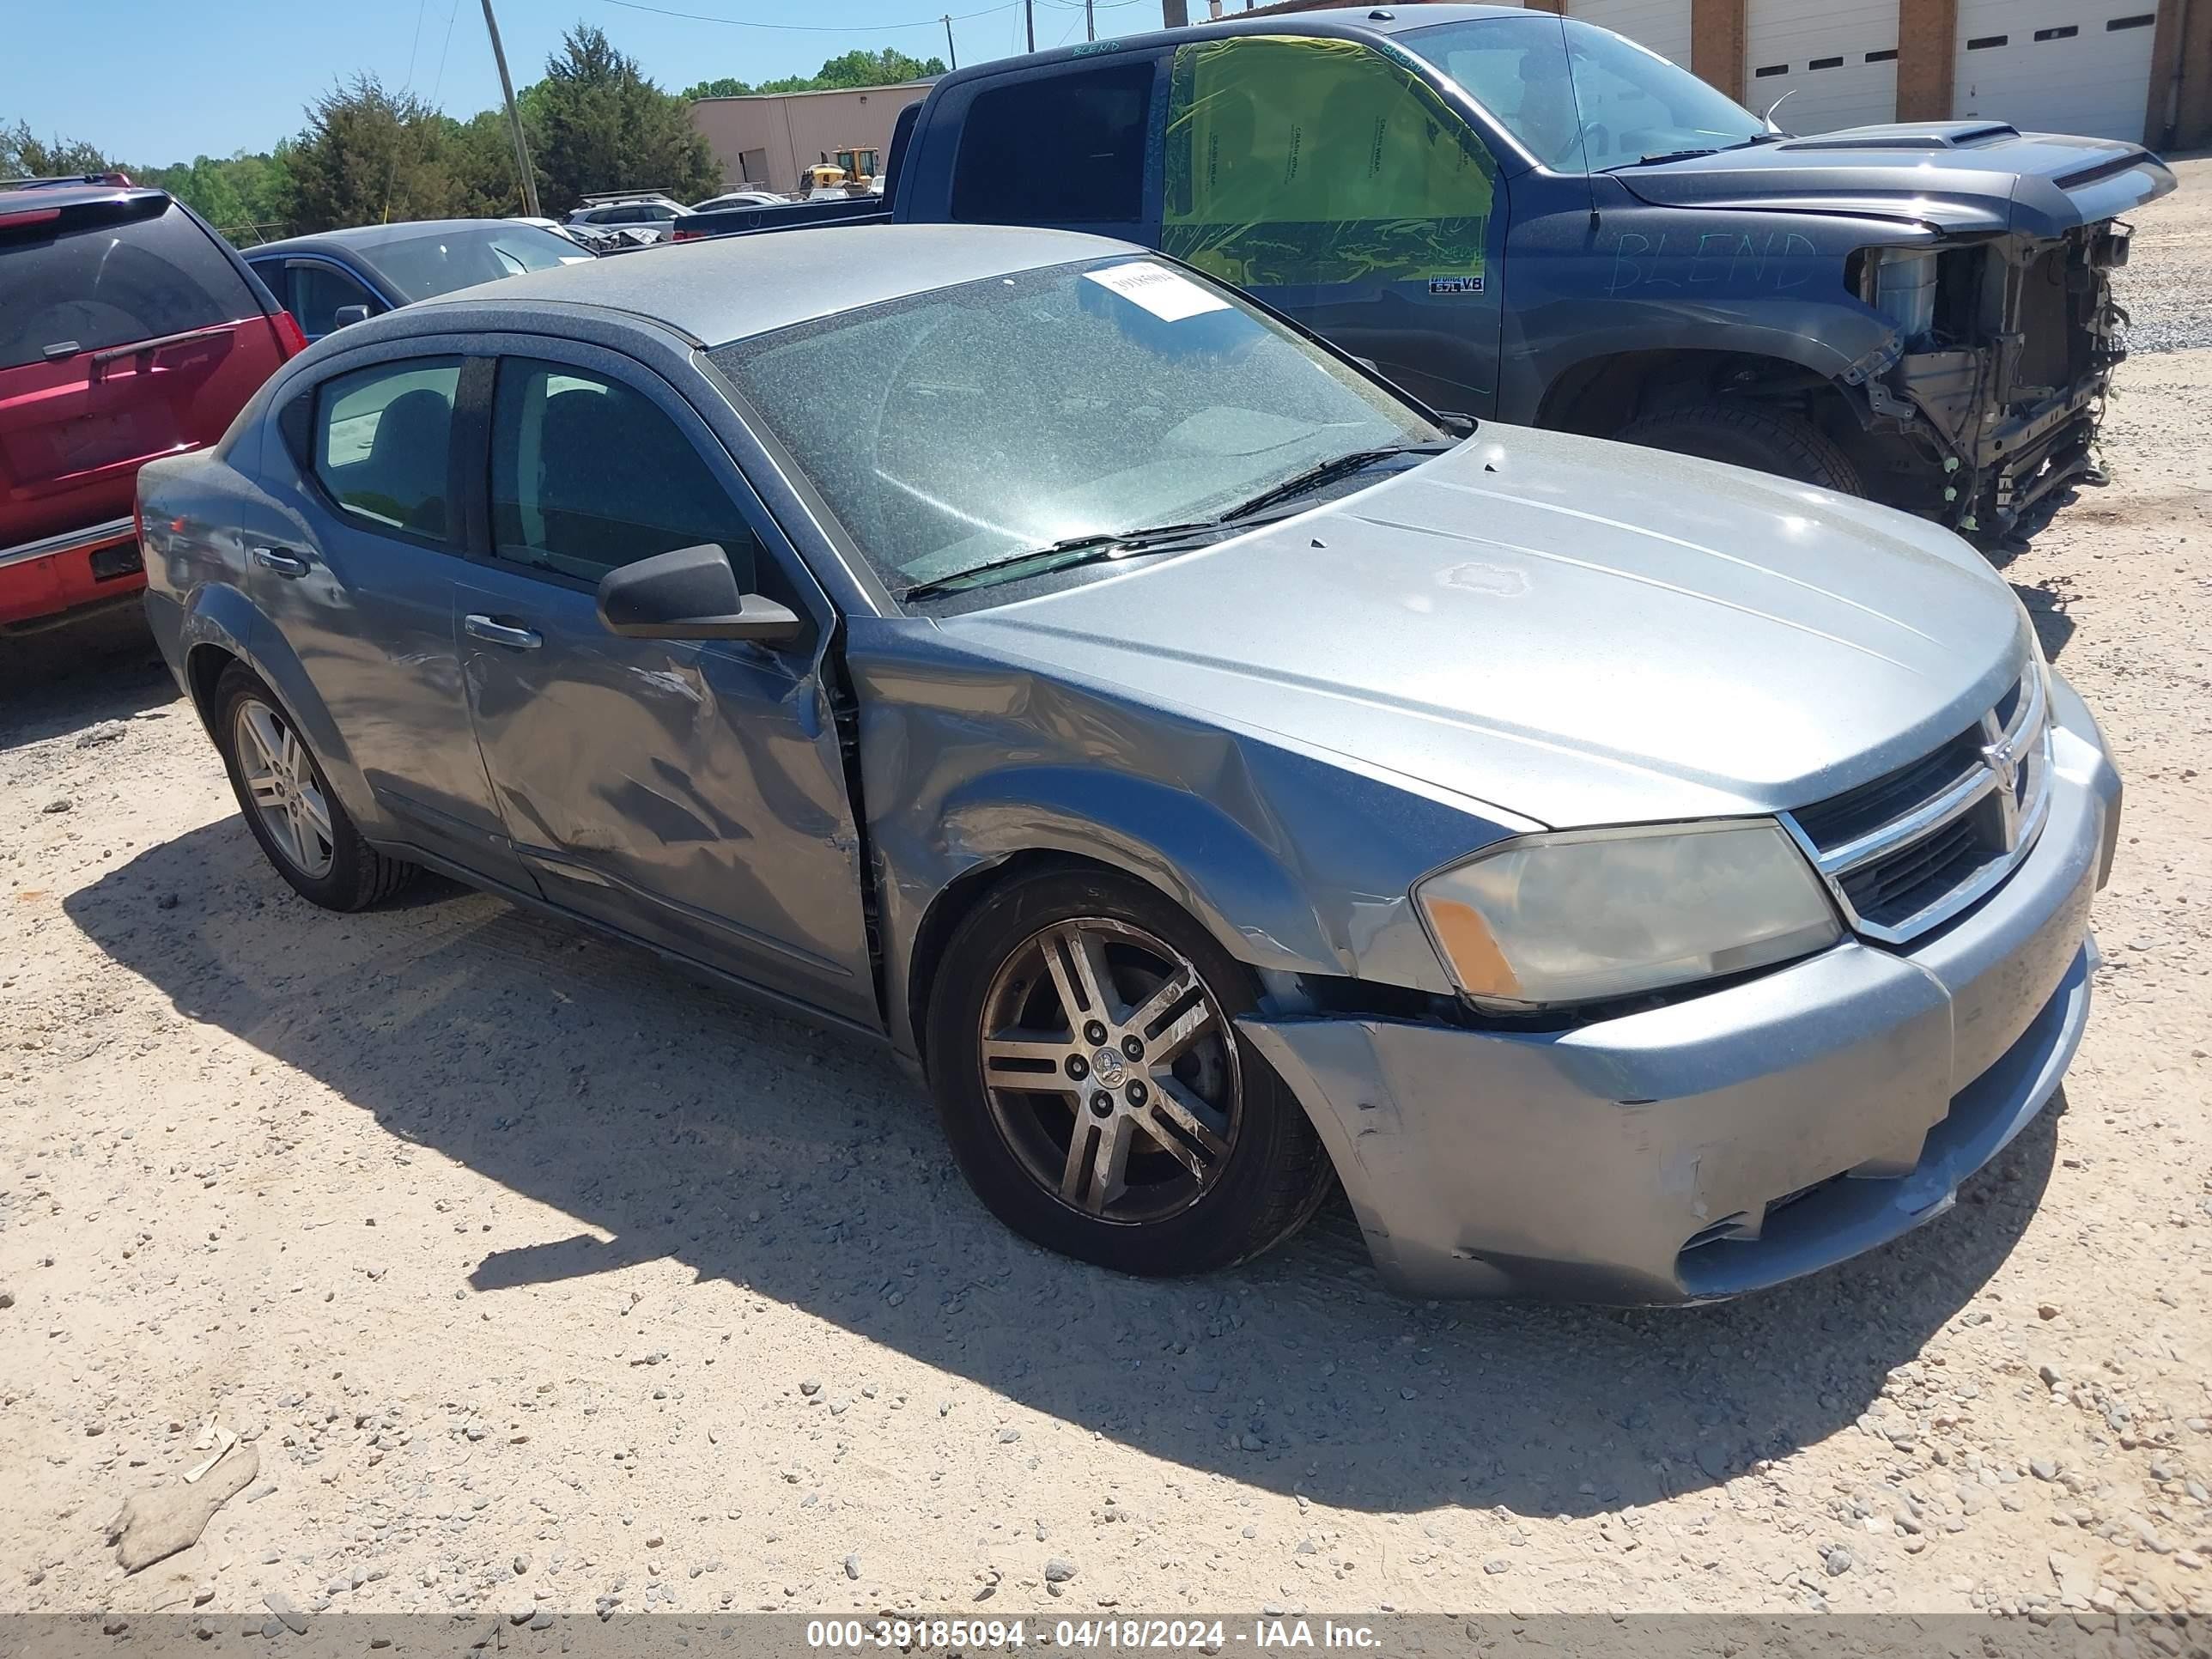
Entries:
{"x":1521,"y":217}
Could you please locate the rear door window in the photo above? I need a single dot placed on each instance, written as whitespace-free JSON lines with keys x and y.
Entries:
{"x":384,"y":443}
{"x":1057,"y":149}
{"x":97,"y":281}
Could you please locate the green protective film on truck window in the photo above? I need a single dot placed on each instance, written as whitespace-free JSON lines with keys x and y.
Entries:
{"x":1293,"y":162}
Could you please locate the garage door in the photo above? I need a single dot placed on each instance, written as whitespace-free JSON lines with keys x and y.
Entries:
{"x":1661,"y":25}
{"x":1836,"y":60}
{"x":2056,"y":65}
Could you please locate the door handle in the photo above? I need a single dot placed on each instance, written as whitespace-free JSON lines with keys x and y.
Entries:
{"x":282,"y":560}
{"x":492,"y":633}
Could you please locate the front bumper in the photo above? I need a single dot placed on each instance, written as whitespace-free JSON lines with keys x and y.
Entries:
{"x":1727,"y":1141}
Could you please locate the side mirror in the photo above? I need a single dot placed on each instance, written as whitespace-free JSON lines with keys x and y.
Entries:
{"x":691,"y":593}
{"x":345,"y":314}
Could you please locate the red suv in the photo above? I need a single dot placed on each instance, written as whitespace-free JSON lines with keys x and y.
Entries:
{"x":128,"y":330}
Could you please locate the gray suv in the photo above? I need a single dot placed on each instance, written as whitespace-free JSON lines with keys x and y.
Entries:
{"x":1225,"y":779}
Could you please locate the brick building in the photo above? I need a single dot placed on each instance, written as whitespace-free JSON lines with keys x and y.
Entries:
{"x":766,"y":141}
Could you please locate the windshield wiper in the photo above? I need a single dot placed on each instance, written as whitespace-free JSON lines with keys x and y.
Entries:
{"x":1153,"y":538}
{"x":1661,"y":157}
{"x":1670,"y":155}
{"x":1076,"y":550}
{"x":1327,"y":472}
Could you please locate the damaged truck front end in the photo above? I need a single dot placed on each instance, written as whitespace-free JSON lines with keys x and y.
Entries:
{"x":1983,"y":255}
{"x":2006,"y":346}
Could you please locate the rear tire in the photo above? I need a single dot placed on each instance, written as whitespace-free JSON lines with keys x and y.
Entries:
{"x":1749,"y":435}
{"x":290,"y":805}
{"x":1193,"y":1154}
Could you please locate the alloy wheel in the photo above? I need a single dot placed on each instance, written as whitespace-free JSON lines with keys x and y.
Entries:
{"x":279,"y":776}
{"x":1111,"y":1070}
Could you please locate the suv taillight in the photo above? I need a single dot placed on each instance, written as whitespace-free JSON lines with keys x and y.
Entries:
{"x":289,"y":339}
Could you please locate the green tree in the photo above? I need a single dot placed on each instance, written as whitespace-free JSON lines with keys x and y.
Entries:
{"x":369,"y":156}
{"x":481,"y":152}
{"x":23,"y":155}
{"x":857,"y":68}
{"x":244,"y":196}
{"x":598,"y":124}
{"x":877,"y":69}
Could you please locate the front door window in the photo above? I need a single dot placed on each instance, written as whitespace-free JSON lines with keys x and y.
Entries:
{"x":316,"y":292}
{"x":1295,"y":161}
{"x":587,"y":474}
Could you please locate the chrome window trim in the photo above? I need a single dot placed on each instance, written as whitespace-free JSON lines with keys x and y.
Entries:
{"x":2024,"y":743}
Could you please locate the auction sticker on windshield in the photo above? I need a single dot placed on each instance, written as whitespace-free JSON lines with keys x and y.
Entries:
{"x":1168,"y":295}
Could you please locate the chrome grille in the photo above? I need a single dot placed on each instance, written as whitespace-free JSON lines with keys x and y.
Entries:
{"x":1913,"y":848}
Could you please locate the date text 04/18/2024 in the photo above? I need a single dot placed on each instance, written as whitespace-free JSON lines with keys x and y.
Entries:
{"x":1207,"y":1636}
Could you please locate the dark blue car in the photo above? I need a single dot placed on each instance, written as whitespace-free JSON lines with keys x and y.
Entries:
{"x":342,"y":277}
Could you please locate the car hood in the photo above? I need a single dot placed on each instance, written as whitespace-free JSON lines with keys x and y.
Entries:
{"x":1577,"y":632}
{"x":1956,"y":175}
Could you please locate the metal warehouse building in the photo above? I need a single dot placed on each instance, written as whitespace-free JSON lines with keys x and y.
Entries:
{"x":2136,"y":69}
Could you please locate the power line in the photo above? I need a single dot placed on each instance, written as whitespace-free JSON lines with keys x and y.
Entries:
{"x":406,"y":85}
{"x":451,"y":11}
{"x":813,"y":28}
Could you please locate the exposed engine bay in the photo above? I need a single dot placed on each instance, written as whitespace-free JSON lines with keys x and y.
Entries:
{"x":2008,"y":343}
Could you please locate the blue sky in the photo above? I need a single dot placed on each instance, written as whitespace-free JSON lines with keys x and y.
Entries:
{"x":163,"y":81}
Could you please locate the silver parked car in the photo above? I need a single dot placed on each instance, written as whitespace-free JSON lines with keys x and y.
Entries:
{"x":1630,"y":878}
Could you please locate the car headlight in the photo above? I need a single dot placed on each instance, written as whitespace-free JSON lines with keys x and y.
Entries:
{"x":1583,"y":915}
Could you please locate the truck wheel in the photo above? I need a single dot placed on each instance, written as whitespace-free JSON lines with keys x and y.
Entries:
{"x":290,"y":805}
{"x":1747,"y":434}
{"x":1095,"y":1093}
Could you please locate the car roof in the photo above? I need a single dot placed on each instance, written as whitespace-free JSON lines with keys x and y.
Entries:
{"x":63,"y":196}
{"x":367,"y":238}
{"x":1345,"y":20}
{"x":732,"y":287}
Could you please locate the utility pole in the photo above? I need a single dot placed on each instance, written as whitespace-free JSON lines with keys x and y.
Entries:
{"x":514,"y":117}
{"x":951,"y":51}
{"x":1029,"y":12}
{"x":1090,"y":22}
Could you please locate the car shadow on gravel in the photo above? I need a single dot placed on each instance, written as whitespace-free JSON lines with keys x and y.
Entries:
{"x":686,"y":1125}
{"x":2046,"y":608}
{"x":67,"y":680}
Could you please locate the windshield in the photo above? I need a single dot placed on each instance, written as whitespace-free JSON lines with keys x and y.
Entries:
{"x":421,"y":267}
{"x":1620,"y":103}
{"x":951,"y":430}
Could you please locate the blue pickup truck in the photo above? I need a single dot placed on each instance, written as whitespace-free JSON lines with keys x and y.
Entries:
{"x":1518,"y":215}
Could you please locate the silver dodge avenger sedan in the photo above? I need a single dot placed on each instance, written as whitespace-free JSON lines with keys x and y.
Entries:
{"x":1628,"y":878}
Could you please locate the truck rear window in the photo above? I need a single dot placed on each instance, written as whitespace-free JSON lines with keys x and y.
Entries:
{"x":1057,"y":149}
{"x":110,"y":281}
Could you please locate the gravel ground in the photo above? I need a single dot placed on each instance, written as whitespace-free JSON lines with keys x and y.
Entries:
{"x":2166,"y":292}
{"x":539,"y":1277}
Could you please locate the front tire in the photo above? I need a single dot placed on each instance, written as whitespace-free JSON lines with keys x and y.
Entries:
{"x":290,"y":805}
{"x":1097,"y":1097}
{"x":1750,"y":434}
